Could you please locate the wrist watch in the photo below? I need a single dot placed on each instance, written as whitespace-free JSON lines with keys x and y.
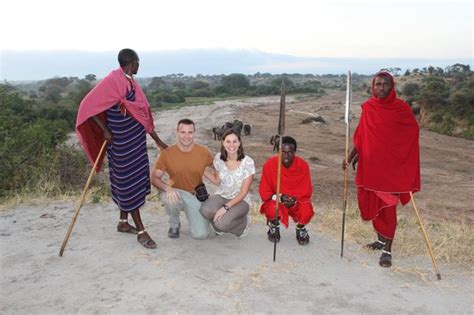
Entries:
{"x":226,"y":207}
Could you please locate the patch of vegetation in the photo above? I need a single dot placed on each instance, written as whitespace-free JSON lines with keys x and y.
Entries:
{"x":445,"y":99}
{"x":33,"y":156}
{"x":178,"y":90}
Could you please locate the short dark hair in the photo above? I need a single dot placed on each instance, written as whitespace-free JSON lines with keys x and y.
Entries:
{"x":186,"y":121}
{"x":289,"y":140}
{"x":240,"y":151}
{"x":126,"y":56}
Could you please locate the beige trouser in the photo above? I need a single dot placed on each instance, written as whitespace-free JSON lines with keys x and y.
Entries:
{"x":234,"y":221}
{"x":188,"y":202}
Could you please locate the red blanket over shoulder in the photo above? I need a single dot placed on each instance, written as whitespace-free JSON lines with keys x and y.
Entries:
{"x":386,"y":140}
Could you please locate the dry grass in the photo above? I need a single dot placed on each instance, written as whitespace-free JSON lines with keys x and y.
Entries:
{"x":47,"y":189}
{"x":452,"y":242}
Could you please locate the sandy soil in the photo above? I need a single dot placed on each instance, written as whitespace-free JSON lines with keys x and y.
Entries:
{"x":103,"y":271}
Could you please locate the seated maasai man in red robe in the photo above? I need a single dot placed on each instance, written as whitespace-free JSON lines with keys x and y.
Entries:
{"x":386,"y":143}
{"x":295,"y":192}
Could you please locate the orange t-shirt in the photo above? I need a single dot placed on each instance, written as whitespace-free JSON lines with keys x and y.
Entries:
{"x":185,"y":169}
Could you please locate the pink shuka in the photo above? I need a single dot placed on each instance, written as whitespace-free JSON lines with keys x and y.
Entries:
{"x":109,"y":92}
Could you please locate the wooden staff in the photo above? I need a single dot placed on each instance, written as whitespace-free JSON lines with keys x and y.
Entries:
{"x":425,"y":235}
{"x":281,"y":132}
{"x":347,"y":119}
{"x":81,"y":201}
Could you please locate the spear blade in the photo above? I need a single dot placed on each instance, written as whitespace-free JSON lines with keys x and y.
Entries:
{"x":281,"y":119}
{"x":347,"y":116}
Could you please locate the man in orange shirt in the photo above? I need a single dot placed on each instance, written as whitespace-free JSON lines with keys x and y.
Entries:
{"x":184,"y":162}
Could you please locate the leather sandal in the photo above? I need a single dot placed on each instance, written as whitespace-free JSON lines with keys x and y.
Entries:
{"x":146,"y":242}
{"x":377,"y":245}
{"x":122,"y":228}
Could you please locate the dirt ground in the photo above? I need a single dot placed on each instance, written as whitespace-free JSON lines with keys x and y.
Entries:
{"x":103,"y":271}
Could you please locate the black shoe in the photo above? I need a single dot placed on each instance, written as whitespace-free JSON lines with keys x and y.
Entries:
{"x":174,"y":233}
{"x":377,"y":245}
{"x":302,"y":235}
{"x":273,"y":232}
{"x":386,"y":259}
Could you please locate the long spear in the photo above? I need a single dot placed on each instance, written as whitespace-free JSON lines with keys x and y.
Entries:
{"x":281,"y":132}
{"x":81,"y":201}
{"x":425,"y":235}
{"x":347,"y":119}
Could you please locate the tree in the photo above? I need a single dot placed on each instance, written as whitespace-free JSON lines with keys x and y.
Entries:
{"x":395,"y":70}
{"x":179,"y":84}
{"x":53,"y":93}
{"x":198,"y":84}
{"x":458,"y":67}
{"x":235,"y":81}
{"x":410,"y":89}
{"x":288,"y":83}
{"x":156,"y":83}
{"x":90,"y":77}
{"x":434,"y":93}
{"x":431,"y":70}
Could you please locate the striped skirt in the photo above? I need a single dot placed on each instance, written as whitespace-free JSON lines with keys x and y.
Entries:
{"x":128,"y":161}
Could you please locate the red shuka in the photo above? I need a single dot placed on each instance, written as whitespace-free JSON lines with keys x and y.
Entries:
{"x":387,"y":145}
{"x":295,"y":181}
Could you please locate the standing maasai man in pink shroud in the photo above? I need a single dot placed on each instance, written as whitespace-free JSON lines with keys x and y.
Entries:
{"x":117,"y":110}
{"x":386,"y":142}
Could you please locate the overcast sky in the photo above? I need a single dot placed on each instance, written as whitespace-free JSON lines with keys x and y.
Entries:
{"x":309,"y":28}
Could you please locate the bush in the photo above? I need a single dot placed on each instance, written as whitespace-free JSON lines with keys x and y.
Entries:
{"x":434,"y":94}
{"x":26,"y":149}
{"x":205,"y":92}
{"x":168,"y":96}
{"x":31,"y":151}
{"x":410,"y":89}
{"x":235,"y":81}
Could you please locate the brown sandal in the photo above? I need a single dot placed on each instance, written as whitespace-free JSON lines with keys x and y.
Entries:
{"x":146,"y":242}
{"x":125,"y":228}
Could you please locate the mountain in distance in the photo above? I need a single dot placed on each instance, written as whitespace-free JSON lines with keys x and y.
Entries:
{"x":39,"y":65}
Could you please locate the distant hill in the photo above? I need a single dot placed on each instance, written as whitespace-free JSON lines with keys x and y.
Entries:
{"x":37,"y":65}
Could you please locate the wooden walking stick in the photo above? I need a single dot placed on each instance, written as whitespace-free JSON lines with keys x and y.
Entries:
{"x":425,"y":235}
{"x":347,"y":119}
{"x":281,"y":132}
{"x":81,"y":201}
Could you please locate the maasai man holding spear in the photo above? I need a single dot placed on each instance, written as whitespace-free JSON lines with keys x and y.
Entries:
{"x":386,"y":142}
{"x":285,"y":187}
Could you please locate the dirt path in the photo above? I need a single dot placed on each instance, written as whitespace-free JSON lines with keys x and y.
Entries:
{"x":103,"y":271}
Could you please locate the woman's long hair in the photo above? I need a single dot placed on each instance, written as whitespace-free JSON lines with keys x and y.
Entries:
{"x":240,"y":151}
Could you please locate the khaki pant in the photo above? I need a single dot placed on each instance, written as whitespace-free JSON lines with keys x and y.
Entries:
{"x":234,"y":221}
{"x":188,"y":202}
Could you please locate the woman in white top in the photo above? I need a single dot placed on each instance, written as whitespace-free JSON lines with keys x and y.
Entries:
{"x":227,"y":209}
